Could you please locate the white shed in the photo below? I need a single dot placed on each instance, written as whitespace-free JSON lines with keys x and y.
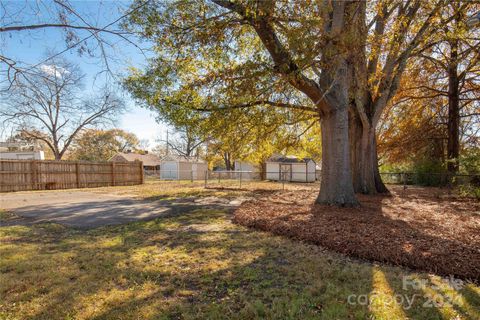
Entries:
{"x":290,"y":168}
{"x":181,"y":168}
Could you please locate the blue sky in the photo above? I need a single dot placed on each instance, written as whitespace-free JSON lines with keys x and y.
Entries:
{"x":31,"y":47}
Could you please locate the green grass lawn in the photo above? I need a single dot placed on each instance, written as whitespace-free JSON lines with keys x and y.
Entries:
{"x":200,"y":265}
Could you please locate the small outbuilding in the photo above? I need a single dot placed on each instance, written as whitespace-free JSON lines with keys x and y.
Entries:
{"x":150,"y":162}
{"x":290,"y":168}
{"x":181,"y":168}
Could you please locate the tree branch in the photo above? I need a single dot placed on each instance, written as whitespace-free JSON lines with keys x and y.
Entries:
{"x":284,"y":62}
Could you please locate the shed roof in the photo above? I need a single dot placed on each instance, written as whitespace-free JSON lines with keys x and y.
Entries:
{"x":147,"y":159}
{"x":289,"y":159}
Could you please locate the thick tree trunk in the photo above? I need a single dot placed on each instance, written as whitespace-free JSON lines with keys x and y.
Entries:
{"x":56,"y":152}
{"x":379,"y":185}
{"x":363,"y":148}
{"x":228,"y":161}
{"x":355,"y":138}
{"x":336,"y":187}
{"x":263,"y":170}
{"x":365,"y":175}
{"x":453,"y":145}
{"x":368,"y":161}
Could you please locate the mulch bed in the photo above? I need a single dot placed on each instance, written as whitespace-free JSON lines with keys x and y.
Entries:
{"x":421,"y":228}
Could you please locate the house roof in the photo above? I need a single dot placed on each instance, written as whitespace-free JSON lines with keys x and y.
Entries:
{"x":147,"y":159}
{"x":289,"y":159}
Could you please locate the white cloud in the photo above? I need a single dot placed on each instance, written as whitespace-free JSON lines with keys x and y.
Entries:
{"x":53,"y":70}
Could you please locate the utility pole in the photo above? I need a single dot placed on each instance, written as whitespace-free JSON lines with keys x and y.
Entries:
{"x":167,"y":142}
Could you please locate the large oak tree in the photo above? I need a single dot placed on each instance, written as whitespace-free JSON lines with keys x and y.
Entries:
{"x":340,"y":62}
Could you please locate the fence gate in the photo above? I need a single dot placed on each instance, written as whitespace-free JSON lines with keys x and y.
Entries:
{"x":285,"y":172}
{"x":169,"y":171}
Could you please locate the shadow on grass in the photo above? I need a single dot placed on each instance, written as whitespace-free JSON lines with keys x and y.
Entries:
{"x":94,"y":214}
{"x":189,"y":266}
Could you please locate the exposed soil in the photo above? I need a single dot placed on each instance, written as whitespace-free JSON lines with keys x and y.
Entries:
{"x":421,"y":228}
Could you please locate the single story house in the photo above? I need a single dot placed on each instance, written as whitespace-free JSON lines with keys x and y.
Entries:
{"x":290,"y":168}
{"x":150,"y":162}
{"x":22,"y":155}
{"x":20,"y":151}
{"x":182,"y":168}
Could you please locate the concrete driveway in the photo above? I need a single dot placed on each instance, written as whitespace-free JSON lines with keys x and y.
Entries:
{"x":84,"y":209}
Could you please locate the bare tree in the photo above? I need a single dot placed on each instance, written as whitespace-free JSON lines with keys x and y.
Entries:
{"x":92,"y":37}
{"x":47,"y":106}
{"x":185,"y":143}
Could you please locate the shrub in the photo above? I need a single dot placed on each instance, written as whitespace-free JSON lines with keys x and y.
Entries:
{"x":469,"y":190}
{"x":470,"y":161}
{"x":429,"y":173}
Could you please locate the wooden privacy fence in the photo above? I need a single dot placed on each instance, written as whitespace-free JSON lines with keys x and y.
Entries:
{"x":20,"y":175}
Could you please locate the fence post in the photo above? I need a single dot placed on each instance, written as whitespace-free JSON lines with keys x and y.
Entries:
{"x":113,"y":172}
{"x":240,"y":179}
{"x":34,"y":175}
{"x":141,"y":173}
{"x":77,"y":173}
{"x":191,"y":175}
{"x":206,"y":178}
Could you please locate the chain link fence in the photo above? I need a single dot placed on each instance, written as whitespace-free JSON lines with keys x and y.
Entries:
{"x":230,"y":179}
{"x":254,"y":179}
{"x":443,"y":179}
{"x":225,"y":179}
{"x":161,"y":174}
{"x":242,"y":179}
